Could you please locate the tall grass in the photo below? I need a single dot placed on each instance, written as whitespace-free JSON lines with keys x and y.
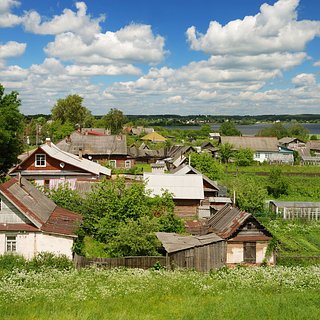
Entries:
{"x":241,"y":293}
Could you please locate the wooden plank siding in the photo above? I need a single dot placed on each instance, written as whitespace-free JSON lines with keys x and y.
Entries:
{"x":186,"y":208}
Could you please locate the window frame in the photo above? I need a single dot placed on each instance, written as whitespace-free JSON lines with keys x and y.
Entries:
{"x":127,"y":164}
{"x":37,"y":162}
{"x":11,"y":244}
{"x":113,"y":163}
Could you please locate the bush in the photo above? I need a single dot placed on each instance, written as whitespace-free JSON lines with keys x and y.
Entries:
{"x":9,"y":262}
{"x":50,"y":260}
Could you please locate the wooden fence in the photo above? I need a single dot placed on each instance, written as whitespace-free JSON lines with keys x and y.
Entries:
{"x":142,"y":262}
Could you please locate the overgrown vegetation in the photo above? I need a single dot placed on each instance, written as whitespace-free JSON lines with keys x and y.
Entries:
{"x":242,"y":293}
{"x":120,"y":219}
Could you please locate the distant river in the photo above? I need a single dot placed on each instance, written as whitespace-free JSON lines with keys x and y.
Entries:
{"x":251,"y":129}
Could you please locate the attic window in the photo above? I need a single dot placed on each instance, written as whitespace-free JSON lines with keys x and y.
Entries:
{"x":40,"y":160}
{"x":249,"y":225}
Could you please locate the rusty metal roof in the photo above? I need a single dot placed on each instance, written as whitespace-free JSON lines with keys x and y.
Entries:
{"x":227,"y":220}
{"x":42,"y":212}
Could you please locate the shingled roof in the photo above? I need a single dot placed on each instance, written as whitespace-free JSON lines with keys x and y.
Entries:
{"x":41,"y":212}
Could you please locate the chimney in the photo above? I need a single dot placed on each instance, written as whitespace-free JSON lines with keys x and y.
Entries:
{"x":48,"y":142}
{"x":80,"y":153}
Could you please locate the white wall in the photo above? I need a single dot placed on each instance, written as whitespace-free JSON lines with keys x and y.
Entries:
{"x":31,"y":243}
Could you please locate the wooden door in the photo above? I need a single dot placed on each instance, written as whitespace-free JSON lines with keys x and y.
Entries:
{"x":249,"y":252}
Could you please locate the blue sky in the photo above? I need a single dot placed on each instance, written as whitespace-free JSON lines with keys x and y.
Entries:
{"x":163,"y":57}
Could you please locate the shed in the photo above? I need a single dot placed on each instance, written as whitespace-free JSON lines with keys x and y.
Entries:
{"x":201,"y":253}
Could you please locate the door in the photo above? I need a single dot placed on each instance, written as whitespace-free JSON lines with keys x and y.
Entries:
{"x":249,"y":252}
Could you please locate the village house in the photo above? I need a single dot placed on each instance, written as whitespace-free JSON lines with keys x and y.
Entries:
{"x":49,"y":166}
{"x":154,"y":137}
{"x":187,"y":191}
{"x":31,"y":223}
{"x":247,"y":239}
{"x":292,"y":143}
{"x":266,"y":149}
{"x":99,"y":147}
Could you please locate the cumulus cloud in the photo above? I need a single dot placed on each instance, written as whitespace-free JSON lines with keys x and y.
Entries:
{"x":304,"y":80}
{"x":7,"y":19}
{"x":12,"y":49}
{"x":271,"y":30}
{"x":317,"y":64}
{"x":69,"y":21}
{"x":133,"y":43}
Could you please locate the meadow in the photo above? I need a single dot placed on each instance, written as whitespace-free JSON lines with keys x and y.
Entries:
{"x":240,"y":293}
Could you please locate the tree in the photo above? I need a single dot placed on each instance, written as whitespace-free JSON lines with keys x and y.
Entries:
{"x":207,"y":165}
{"x":297,"y":130}
{"x":228,"y":128}
{"x":244,"y":157}
{"x":226,"y":152}
{"x":250,"y":196}
{"x":11,"y":129}
{"x":70,"y":109}
{"x":114,"y":120}
{"x":276,"y":130}
{"x":277,"y":183}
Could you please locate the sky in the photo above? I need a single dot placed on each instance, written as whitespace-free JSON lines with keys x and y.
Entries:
{"x":185,"y":57}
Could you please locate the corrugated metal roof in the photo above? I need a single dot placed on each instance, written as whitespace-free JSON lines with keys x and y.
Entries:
{"x":227,"y":220}
{"x":53,"y":151}
{"x":94,"y":145}
{"x":182,"y":187}
{"x":173,"y":242}
{"x":254,"y":143}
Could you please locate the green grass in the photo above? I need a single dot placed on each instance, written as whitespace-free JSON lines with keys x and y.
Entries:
{"x":241,"y":293}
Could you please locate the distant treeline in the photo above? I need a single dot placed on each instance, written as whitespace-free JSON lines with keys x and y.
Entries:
{"x":173,"y":119}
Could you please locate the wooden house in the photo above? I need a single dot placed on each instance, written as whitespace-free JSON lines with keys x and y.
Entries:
{"x":187,"y":191}
{"x":31,"y":223}
{"x":247,"y":239}
{"x":110,"y":149}
{"x":265,"y":149}
{"x":49,"y":166}
{"x":201,"y":253}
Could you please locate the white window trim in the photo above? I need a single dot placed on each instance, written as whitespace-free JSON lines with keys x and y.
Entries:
{"x":12,"y":243}
{"x":127,"y":164}
{"x":40,"y":165}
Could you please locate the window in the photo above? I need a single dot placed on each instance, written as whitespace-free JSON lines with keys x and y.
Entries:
{"x":113,"y":163}
{"x":11,"y":243}
{"x":127,"y":164}
{"x":40,"y":160}
{"x":257,"y":154}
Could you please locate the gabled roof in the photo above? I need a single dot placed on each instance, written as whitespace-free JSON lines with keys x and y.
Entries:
{"x":287,"y":140}
{"x":53,"y":151}
{"x":227,"y":220}
{"x":94,"y":145}
{"x":154,"y":136}
{"x":187,"y":169}
{"x":173,"y":242}
{"x":42,"y":212}
{"x":182,"y":187}
{"x":269,"y":144}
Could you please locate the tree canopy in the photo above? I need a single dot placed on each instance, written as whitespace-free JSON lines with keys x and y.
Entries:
{"x":11,"y":128}
{"x":228,"y":128}
{"x":278,"y":130}
{"x":122,"y":218}
{"x":114,"y":120}
{"x":70,"y":109}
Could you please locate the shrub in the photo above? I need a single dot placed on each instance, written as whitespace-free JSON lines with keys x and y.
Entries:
{"x":10,"y":261}
{"x":50,"y":260}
